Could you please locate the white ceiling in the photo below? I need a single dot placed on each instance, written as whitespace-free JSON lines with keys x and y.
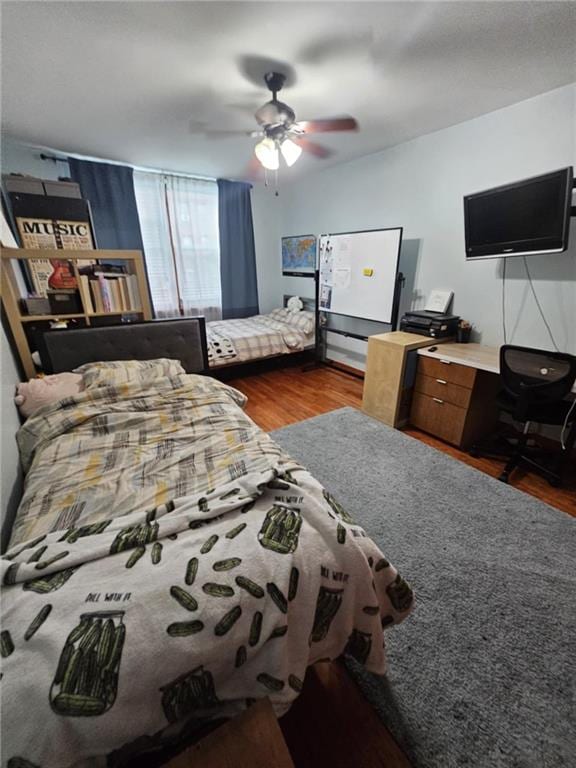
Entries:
{"x":126,"y":80}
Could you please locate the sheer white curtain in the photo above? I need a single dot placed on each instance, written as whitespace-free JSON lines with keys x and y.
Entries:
{"x":179,"y":223}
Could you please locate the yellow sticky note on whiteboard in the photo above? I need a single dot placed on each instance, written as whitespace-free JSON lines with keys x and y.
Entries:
{"x":367,"y":272}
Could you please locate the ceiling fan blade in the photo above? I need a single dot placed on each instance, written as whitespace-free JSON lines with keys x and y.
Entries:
{"x":325,"y":126}
{"x":318,"y":150}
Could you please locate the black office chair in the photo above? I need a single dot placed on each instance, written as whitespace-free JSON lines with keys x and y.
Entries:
{"x":535,"y":385}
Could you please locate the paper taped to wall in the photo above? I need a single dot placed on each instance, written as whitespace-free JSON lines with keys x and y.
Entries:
{"x":342,"y":277}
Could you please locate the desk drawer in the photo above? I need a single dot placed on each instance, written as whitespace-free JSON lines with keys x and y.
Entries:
{"x":455,"y":373}
{"x":438,"y":417}
{"x":443,"y":389}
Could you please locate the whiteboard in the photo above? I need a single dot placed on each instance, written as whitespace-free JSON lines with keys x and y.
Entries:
{"x":357,"y":273}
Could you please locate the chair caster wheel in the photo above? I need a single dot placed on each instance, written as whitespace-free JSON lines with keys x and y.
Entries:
{"x":554,"y":482}
{"x":473,"y":452}
{"x":503,"y":477}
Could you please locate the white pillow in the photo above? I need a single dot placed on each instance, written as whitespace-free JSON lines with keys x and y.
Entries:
{"x":36,"y":393}
{"x":117,"y":372}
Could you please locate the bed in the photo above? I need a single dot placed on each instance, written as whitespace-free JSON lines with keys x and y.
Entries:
{"x":281,"y":332}
{"x":219,"y":344}
{"x":168,"y":565}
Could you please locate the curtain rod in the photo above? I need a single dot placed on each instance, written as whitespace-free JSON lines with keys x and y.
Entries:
{"x":56,"y":159}
{"x":53,"y":158}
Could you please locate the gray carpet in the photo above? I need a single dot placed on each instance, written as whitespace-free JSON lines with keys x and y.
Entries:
{"x":483,"y":672}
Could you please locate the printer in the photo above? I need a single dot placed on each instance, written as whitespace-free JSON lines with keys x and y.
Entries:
{"x":435,"y":324}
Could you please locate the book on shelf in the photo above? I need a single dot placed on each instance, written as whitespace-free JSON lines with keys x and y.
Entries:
{"x":123,"y":285}
{"x":133,"y":292}
{"x":118,"y":294}
{"x":85,"y":291}
{"x":96,"y":295}
{"x":106,"y":294}
{"x":114,"y":294}
{"x":40,"y":271}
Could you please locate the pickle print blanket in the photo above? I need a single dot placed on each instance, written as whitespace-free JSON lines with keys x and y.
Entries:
{"x":123,"y":634}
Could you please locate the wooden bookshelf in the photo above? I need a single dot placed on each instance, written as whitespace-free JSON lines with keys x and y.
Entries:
{"x":11,"y":296}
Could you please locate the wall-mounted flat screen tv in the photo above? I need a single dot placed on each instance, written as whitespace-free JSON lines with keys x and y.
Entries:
{"x":527,"y":217}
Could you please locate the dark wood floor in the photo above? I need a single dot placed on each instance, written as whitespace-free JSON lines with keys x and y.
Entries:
{"x":288,"y":395}
{"x":331,"y":724}
{"x":285,"y":396}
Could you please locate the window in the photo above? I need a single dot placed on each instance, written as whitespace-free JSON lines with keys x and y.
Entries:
{"x":179,"y":223}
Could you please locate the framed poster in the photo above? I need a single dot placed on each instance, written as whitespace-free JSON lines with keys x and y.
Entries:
{"x":54,"y":233}
{"x":299,"y":255}
{"x":52,"y":222}
{"x":46,"y":222}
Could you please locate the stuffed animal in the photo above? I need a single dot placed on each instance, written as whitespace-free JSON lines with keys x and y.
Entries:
{"x":295,"y":304}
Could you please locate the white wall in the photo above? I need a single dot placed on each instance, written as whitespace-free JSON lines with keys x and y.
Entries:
{"x":420,"y":184}
{"x":9,"y":461}
{"x":266,"y":213}
{"x":20,"y":158}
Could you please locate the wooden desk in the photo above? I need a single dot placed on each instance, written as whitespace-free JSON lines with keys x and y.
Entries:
{"x":455,"y":393}
{"x":452,"y":393}
{"x":471,"y":355}
{"x":386,"y":396}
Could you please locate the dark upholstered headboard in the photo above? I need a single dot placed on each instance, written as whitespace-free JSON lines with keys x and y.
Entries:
{"x":181,"y":339}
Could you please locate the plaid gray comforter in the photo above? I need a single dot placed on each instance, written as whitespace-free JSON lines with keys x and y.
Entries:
{"x":252,"y":338}
{"x":171,"y":566}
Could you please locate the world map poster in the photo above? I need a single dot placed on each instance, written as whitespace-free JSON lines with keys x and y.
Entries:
{"x":299,"y":255}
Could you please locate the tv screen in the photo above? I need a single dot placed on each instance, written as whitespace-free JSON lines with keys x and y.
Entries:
{"x":530,"y":216}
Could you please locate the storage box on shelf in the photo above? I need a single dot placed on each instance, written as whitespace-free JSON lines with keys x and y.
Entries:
{"x":133,"y":292}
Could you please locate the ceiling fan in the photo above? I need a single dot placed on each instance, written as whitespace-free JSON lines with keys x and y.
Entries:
{"x":279,"y":132}
{"x":283,"y":135}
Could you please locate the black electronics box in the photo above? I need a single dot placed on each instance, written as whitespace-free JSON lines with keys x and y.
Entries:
{"x":64,"y":302}
{"x":426,"y":323}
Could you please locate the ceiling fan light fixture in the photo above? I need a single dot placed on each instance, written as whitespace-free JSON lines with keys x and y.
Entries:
{"x":290,"y":151}
{"x":267,"y":153}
